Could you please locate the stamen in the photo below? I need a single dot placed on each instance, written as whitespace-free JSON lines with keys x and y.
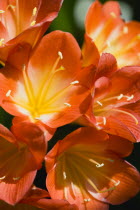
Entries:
{"x":1,"y":42}
{"x":64,"y":175}
{"x":8,"y":93}
{"x":125,"y":30}
{"x":104,"y":120}
{"x":74,"y":82}
{"x":60,"y":55}
{"x":127,"y":113}
{"x":100,"y":165}
{"x":67,"y":104}
{"x":98,"y":102}
{"x":33,"y":23}
{"x":16,"y":178}
{"x":113,"y":14}
{"x":87,"y":199}
{"x":3,"y":177}
{"x":120,"y":96}
{"x":34,"y":11}
{"x":1,"y":11}
{"x":129,"y":97}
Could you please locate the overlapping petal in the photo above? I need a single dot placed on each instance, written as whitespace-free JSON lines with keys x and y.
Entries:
{"x":24,"y":22}
{"x":50,"y":87}
{"x":87,"y":169}
{"x":111,"y":34}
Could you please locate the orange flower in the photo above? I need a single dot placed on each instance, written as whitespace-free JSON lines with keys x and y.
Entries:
{"x":115,"y":99}
{"x":24,"y":22}
{"x":86,"y":168}
{"x":111,"y":34}
{"x":21,"y":154}
{"x":35,"y":199}
{"x":49,"y":88}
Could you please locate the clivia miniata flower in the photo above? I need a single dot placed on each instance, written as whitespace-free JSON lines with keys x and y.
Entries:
{"x":86,"y":168}
{"x":21,"y":155}
{"x":24,"y":21}
{"x":35,"y":199}
{"x":115,"y":93}
{"x":111,"y":34}
{"x":49,"y":88}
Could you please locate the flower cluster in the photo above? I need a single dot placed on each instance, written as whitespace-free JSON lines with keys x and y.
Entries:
{"x":47,"y":82}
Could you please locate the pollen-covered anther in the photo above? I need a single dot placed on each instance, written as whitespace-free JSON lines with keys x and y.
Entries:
{"x":67,"y":104}
{"x":1,"y":42}
{"x":33,"y":23}
{"x":64,"y":175}
{"x":129,"y":97}
{"x":98,"y":102}
{"x":125,"y":30}
{"x":117,"y":183}
{"x":16,"y":178}
{"x":74,"y":82}
{"x":100,"y":165}
{"x":34,"y":11}
{"x":1,"y":11}
{"x":113,"y":14}
{"x":60,"y":55}
{"x":120,"y":96}
{"x":87,"y":199}
{"x":8,"y":93}
{"x":3,"y":177}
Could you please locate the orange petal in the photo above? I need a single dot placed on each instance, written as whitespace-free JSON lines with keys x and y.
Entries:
{"x":90,"y":53}
{"x":12,"y":193}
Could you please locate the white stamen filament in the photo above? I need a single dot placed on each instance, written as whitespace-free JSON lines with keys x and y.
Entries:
{"x":64,"y":175}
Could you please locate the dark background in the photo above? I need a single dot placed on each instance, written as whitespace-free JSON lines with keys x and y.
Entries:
{"x":71,"y":12}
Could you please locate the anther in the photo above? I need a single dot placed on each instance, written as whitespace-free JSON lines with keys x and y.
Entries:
{"x":87,"y":199}
{"x":1,"y":42}
{"x":3,"y":177}
{"x":104,"y":120}
{"x":64,"y":175}
{"x":113,"y":14}
{"x":33,"y":23}
{"x":129,"y":97}
{"x":34,"y":11}
{"x":100,"y":165}
{"x":98,"y":102}
{"x":60,"y":55}
{"x":74,"y":82}
{"x":125,"y":30}
{"x":67,"y":104}
{"x":16,"y":178}
{"x":8,"y":93}
{"x":117,"y":183}
{"x":2,"y":11}
{"x":120,"y":96}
